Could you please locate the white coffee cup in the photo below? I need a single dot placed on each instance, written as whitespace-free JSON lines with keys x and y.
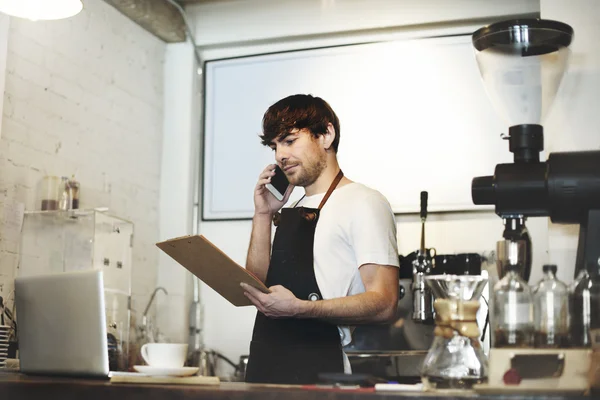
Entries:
{"x":169,"y":355}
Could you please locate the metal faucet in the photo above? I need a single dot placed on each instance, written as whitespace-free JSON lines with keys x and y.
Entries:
{"x":144,"y":316}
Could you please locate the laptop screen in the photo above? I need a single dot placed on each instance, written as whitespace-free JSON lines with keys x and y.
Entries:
{"x":62,"y":324}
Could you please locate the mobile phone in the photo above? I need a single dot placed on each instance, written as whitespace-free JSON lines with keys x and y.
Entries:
{"x":278,"y":184}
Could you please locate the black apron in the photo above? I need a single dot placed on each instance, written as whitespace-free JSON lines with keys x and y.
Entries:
{"x":294,"y":350}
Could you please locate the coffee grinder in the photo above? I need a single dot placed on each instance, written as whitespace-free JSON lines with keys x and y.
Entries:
{"x":522,"y":63}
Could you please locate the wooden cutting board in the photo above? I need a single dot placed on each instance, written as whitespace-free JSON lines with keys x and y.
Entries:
{"x":165,"y":380}
{"x":213,"y":267}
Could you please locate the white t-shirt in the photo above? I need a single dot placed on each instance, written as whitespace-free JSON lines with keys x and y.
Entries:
{"x":356,"y":226}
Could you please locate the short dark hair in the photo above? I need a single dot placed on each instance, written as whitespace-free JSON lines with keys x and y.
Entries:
{"x":299,"y":111}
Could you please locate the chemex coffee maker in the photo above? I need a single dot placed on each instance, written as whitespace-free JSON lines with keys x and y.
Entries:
{"x":456,"y":359}
{"x":522,"y":63}
{"x":446,"y":291}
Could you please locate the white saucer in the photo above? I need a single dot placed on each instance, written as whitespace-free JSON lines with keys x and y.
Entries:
{"x":165,"y":371}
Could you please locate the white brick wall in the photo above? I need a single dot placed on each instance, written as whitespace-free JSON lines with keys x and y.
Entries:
{"x":84,"y":96}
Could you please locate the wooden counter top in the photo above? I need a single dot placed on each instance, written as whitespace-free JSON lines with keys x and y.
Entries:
{"x":15,"y":386}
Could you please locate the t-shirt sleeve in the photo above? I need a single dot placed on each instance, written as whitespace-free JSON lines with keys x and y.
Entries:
{"x":373,"y":231}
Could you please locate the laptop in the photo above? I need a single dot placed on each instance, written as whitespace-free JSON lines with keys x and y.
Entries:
{"x":62,"y":324}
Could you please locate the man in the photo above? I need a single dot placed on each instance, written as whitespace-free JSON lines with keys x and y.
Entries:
{"x":334,"y":259}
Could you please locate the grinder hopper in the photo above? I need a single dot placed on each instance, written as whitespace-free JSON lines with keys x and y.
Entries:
{"x":522,"y":63}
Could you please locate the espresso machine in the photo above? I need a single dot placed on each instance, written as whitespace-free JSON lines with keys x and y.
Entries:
{"x":522,"y":63}
{"x":396,"y":351}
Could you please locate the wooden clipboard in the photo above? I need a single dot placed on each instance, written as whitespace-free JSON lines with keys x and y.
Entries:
{"x":213,"y":267}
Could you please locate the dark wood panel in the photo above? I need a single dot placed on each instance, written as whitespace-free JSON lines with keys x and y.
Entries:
{"x":16,"y":386}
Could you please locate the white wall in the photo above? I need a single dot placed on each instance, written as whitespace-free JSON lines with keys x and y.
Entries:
{"x":180,"y":148}
{"x":4,"y":24}
{"x":237,"y":27}
{"x":237,"y":21}
{"x":574,"y":123}
{"x":84,"y":95}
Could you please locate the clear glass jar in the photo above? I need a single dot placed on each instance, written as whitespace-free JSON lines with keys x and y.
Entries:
{"x":512,"y":316}
{"x":49,"y":193}
{"x":551,"y":311}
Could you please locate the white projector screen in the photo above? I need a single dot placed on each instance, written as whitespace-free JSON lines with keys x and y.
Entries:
{"x":414,"y":116}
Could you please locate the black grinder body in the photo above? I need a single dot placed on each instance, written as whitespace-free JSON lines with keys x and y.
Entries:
{"x":565,"y":188}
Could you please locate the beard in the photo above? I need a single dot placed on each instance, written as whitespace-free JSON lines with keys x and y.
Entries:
{"x":307,"y":173}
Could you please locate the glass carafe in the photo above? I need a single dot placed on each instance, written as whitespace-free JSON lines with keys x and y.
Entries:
{"x":512,"y":318}
{"x":550,"y":311}
{"x":456,"y":359}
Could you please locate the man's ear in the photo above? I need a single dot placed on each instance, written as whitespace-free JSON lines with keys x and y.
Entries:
{"x":329,"y":136}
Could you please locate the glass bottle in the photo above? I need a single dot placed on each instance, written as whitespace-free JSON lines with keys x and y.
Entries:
{"x":550,"y":311}
{"x":74,"y":186}
{"x":584,"y":308}
{"x":64,"y":202}
{"x":513,"y":311}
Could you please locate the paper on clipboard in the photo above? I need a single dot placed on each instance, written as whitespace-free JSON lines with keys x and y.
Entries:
{"x":213,"y":267}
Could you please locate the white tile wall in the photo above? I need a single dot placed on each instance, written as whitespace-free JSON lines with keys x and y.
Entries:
{"x":84,"y":96}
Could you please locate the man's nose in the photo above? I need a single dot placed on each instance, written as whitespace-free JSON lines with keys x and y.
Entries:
{"x":281,"y":155}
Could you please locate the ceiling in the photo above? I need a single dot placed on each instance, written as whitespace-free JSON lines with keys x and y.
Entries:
{"x":199,"y":1}
{"x":158,"y":17}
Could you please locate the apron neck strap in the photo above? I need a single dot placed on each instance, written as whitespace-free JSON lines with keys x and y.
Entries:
{"x":332,"y":187}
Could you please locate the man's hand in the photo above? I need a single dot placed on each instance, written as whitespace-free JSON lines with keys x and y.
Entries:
{"x":264,"y":202}
{"x":277,"y":304}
